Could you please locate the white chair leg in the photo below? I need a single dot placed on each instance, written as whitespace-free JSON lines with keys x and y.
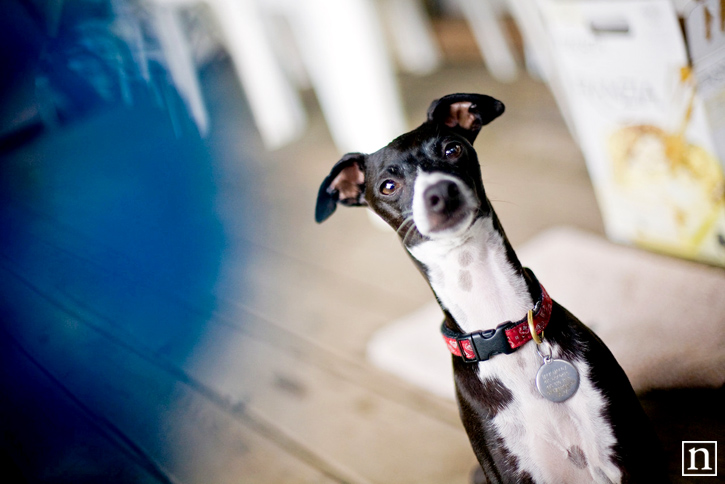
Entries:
{"x":180,"y":63}
{"x":275,"y":105}
{"x":527,"y":16}
{"x":413,"y":39}
{"x":491,"y":39}
{"x":342,"y":46}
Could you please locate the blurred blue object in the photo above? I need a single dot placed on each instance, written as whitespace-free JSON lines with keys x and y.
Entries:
{"x":64,"y":59}
{"x":111,"y":242}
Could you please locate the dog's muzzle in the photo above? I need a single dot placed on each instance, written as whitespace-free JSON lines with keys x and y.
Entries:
{"x":442,"y":204}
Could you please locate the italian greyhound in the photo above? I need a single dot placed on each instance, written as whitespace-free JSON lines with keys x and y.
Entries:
{"x":550,"y":405}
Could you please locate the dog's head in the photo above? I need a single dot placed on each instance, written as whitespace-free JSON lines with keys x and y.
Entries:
{"x":426,"y":183}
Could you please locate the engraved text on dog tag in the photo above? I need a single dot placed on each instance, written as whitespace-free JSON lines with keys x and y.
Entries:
{"x":557,"y":380}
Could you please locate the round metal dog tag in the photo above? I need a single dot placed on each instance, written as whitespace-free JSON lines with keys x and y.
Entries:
{"x":557,"y":380}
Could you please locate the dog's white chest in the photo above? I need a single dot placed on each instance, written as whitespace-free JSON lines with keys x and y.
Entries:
{"x":567,"y":442}
{"x":473,"y":279}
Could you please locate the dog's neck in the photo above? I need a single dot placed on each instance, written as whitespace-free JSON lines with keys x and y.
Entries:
{"x":477,"y":278}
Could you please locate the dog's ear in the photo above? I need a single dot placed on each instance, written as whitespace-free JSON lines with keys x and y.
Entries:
{"x":345,"y":184}
{"x":465,"y":113}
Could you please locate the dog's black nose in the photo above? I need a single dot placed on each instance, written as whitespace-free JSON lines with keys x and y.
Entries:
{"x":442,"y":197}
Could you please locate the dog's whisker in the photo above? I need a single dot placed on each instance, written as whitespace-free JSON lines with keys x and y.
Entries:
{"x":498,"y":200}
{"x":405,"y":238}
{"x":402,"y":225}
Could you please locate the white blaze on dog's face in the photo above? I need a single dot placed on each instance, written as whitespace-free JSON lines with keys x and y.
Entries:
{"x":443,"y":206}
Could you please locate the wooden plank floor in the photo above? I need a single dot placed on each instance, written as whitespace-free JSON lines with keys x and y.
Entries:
{"x":171,"y":312}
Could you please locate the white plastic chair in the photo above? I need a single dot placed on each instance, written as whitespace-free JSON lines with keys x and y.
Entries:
{"x":275,"y":105}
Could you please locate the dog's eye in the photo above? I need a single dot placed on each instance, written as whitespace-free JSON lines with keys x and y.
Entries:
{"x":453,"y":150}
{"x":388,"y":187}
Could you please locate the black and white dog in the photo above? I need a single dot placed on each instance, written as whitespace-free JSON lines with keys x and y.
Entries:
{"x":553,"y":410}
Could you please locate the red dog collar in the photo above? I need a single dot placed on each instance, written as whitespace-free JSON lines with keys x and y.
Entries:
{"x":505,"y":339}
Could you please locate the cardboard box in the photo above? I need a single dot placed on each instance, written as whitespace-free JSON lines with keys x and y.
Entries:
{"x":633,"y":105}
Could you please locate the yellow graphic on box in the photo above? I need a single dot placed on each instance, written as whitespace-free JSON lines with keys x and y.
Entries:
{"x":677,"y":187}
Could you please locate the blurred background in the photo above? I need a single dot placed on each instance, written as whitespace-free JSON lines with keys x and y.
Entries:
{"x":169,"y":310}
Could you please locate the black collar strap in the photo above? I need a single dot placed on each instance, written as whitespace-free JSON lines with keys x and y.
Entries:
{"x":505,"y":339}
